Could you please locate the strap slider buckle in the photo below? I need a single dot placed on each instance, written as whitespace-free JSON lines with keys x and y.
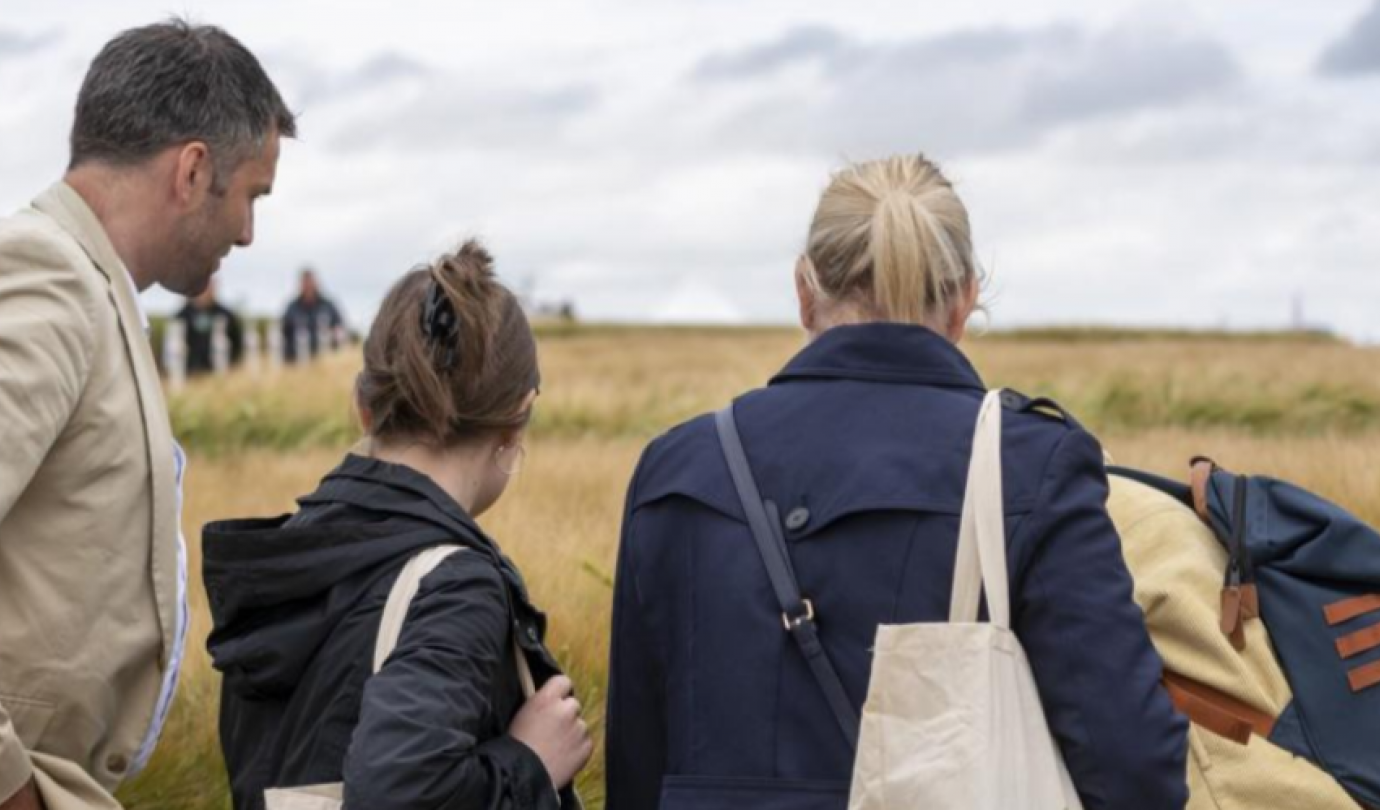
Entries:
{"x":792,"y":622}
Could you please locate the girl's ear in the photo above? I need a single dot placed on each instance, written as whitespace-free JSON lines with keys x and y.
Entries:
{"x":366,"y":416}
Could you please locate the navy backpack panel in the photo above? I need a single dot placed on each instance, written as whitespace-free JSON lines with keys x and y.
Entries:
{"x":1310,"y":559}
{"x":1316,"y":572}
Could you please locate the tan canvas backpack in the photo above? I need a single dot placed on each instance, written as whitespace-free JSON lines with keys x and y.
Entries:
{"x":1231,"y":696}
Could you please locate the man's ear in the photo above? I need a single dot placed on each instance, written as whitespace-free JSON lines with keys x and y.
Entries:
{"x":194,"y":173}
{"x":805,"y":293}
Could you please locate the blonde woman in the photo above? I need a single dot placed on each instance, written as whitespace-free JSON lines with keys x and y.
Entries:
{"x":862,"y":443}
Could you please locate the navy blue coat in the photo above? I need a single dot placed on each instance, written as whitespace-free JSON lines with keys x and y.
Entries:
{"x":863,"y":440}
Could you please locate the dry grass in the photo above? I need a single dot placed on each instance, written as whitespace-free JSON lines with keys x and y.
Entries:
{"x":606,"y":391}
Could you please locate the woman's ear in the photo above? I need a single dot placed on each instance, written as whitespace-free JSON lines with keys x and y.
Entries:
{"x":962,"y":311}
{"x":805,"y":293}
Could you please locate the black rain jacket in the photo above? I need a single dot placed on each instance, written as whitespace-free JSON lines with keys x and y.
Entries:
{"x":296,"y":603}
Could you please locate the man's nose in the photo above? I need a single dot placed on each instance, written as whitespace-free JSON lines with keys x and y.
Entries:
{"x":246,"y":237}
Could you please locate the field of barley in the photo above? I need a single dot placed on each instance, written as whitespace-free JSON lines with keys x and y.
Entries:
{"x":1302,"y":408}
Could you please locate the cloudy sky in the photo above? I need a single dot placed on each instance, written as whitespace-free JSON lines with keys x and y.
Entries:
{"x":1213,"y":163}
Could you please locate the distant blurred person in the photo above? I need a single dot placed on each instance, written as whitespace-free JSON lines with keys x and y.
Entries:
{"x":175,"y":137}
{"x":309,"y":318}
{"x":199,"y":318}
{"x":444,"y":720}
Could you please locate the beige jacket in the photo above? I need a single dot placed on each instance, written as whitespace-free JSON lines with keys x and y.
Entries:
{"x":88,"y":513}
{"x":1178,"y":567}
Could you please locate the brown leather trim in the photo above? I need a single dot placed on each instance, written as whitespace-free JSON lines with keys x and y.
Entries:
{"x":1231,"y":609}
{"x":1217,"y":711}
{"x":1239,"y":603}
{"x":1348,"y":609}
{"x":1363,"y":678}
{"x":1358,"y":642}
{"x":1198,"y":481}
{"x":1250,"y":602}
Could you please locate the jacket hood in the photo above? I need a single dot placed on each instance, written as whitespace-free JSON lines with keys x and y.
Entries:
{"x":279,"y":587}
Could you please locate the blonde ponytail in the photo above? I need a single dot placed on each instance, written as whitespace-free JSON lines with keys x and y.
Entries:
{"x":892,"y":236}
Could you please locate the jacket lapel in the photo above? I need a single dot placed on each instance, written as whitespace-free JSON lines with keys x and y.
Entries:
{"x":70,"y":211}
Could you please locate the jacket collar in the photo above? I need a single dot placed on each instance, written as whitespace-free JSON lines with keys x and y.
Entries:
{"x":66,"y":206}
{"x":882,"y":352}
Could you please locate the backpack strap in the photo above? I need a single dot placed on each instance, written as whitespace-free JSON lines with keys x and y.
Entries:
{"x":400,"y":601}
{"x":797,"y":612}
{"x":401,"y":596}
{"x":1168,"y":486}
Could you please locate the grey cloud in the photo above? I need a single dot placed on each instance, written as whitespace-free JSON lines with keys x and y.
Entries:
{"x":393,"y":101}
{"x":445,"y":114}
{"x":315,"y":85}
{"x":1358,"y":50}
{"x":1123,"y":70}
{"x":16,"y":43}
{"x":388,"y":67}
{"x":797,"y":45}
{"x":975,"y":90}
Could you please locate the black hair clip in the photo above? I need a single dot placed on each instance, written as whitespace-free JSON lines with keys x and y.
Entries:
{"x":441,"y":325}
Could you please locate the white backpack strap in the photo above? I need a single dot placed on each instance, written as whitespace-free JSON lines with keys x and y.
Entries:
{"x":981,"y":559}
{"x":400,"y":599}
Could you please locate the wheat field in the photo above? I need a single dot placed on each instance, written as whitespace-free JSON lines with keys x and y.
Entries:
{"x":1303,"y":409}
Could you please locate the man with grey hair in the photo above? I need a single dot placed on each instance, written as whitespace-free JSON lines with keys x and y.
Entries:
{"x":176,"y":135}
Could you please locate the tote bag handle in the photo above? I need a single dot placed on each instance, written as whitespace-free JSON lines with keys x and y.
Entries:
{"x":980,"y":565}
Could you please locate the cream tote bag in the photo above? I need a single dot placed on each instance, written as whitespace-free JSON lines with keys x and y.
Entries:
{"x":331,"y":797}
{"x":953,"y":720}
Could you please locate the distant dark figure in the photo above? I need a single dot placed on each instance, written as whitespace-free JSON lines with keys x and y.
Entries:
{"x":310,"y":316}
{"x":199,"y":317}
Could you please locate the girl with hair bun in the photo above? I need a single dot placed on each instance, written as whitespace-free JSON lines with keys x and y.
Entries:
{"x":718,"y":695}
{"x":449,"y":381}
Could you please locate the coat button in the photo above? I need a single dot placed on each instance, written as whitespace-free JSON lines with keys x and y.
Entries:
{"x":532,"y":634}
{"x":116,"y":763}
{"x":797,"y":518}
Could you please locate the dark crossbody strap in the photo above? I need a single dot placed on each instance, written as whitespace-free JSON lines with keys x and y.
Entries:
{"x":797,"y":612}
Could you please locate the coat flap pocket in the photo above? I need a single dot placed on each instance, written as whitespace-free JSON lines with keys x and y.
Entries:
{"x":727,"y":793}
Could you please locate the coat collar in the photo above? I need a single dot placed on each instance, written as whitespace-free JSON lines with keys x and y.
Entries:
{"x":882,"y":352}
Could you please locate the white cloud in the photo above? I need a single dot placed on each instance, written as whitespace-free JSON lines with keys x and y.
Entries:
{"x":1180,"y":163}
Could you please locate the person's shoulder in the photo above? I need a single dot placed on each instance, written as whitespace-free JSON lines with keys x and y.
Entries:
{"x":684,"y":460}
{"x":30,"y":238}
{"x":1041,"y":412}
{"x":466,"y":582}
{"x":38,"y":255}
{"x":1037,"y":430}
{"x":468,"y":578}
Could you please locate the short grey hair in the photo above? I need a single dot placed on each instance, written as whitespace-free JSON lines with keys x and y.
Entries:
{"x":172,"y":83}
